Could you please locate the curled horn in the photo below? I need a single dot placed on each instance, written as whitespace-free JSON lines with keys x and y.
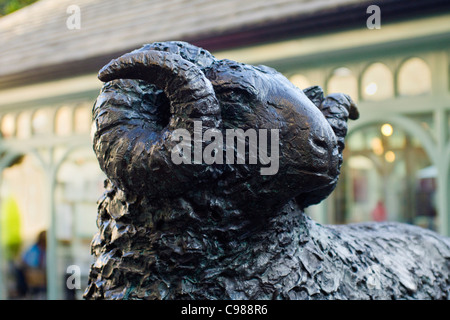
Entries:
{"x":134,"y":119}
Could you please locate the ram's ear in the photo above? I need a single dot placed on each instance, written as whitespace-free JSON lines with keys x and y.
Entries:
{"x":337,"y":108}
{"x":315,"y":94}
{"x":131,"y":152}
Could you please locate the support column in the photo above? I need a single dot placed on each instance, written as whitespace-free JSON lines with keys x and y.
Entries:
{"x":53,"y":289}
{"x":443,"y":181}
{"x":443,"y":205}
{"x":2,"y":264}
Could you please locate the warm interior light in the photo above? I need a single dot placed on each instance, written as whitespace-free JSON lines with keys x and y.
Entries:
{"x":387,"y":130}
{"x":342,"y":72}
{"x":377,"y":146}
{"x":371,"y":88}
{"x":300,"y":81}
{"x":8,"y":125}
{"x":390,"y":156}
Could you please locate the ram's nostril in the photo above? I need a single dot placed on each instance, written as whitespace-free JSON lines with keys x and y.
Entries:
{"x":320,"y":144}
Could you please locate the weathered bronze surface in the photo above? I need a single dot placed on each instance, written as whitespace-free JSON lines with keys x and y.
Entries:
{"x":225,"y":231}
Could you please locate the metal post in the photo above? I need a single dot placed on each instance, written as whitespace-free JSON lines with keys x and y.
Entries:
{"x":442,"y":179}
{"x":53,"y":292}
{"x":443,"y":189}
{"x":2,"y":281}
{"x":439,"y":89}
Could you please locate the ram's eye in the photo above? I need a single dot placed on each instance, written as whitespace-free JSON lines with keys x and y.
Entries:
{"x":236,"y":94}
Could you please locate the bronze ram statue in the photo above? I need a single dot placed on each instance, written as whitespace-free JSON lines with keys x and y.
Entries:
{"x":221,"y":229}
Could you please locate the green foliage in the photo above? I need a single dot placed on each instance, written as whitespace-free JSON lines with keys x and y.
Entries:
{"x":8,"y":6}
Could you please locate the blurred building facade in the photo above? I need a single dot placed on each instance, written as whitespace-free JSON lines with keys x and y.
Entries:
{"x":397,"y":157}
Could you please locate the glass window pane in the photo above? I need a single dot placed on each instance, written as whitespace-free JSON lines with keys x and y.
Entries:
{"x":83,"y":119}
{"x":79,"y":184}
{"x":63,"y":121}
{"x":23,"y":180}
{"x":356,"y":139}
{"x":343,"y":81}
{"x":300,"y":81}
{"x":41,"y":121}
{"x":377,"y":82}
{"x":426,"y":120}
{"x":24,"y":125}
{"x":390,"y":177}
{"x":8,"y":125}
{"x":414,"y":78}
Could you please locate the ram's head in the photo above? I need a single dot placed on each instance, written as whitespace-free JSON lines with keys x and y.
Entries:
{"x":153,"y":92}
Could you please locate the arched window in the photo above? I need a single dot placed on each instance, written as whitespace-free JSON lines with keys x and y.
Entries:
{"x":83,"y":119}
{"x":8,"y":125}
{"x":343,"y":81}
{"x":414,"y":78}
{"x":387,"y":175}
{"x":377,"y":82}
{"x":300,"y":81}
{"x":63,"y":121}
{"x":41,"y":121}
{"x":79,"y":183}
{"x":24,"y":125}
{"x":23,"y":181}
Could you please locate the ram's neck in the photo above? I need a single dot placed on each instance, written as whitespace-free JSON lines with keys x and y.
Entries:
{"x":177,"y":250}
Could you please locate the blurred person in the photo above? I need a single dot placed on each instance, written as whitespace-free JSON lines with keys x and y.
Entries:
{"x":379,"y":213}
{"x":34,"y":267}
